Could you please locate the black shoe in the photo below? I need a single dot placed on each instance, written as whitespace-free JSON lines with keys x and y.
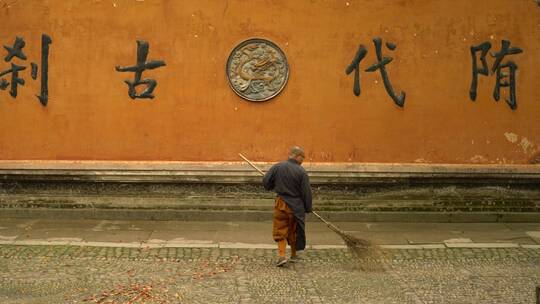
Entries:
{"x":295,"y":259}
{"x":281,"y":261}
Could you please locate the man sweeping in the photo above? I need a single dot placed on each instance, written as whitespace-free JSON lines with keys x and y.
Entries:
{"x":291,"y":183}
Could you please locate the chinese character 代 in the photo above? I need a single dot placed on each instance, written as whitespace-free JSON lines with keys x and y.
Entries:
{"x":381,"y":63}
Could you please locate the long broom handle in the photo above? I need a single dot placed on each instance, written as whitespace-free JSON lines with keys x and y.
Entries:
{"x":330,"y":225}
{"x":251,"y":164}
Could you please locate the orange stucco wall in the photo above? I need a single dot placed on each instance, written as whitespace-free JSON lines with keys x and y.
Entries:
{"x":196,"y":115}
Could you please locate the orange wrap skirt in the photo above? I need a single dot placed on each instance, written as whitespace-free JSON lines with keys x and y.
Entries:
{"x":284,"y":225}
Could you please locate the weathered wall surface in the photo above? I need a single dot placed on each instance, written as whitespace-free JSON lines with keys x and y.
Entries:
{"x":196,"y":116}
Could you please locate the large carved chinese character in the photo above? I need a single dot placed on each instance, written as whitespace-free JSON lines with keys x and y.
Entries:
{"x":139,"y":68}
{"x":497,"y":68}
{"x":16,"y":51}
{"x":380,"y":65}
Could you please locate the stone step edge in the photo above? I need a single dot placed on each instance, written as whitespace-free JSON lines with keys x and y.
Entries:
{"x":212,"y":215}
{"x":228,"y":245}
{"x":349,"y":209}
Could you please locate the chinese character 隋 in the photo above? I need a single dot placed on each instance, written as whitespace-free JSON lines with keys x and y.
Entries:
{"x":497,"y":68}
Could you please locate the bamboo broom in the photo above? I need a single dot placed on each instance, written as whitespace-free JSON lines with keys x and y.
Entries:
{"x":359,"y":247}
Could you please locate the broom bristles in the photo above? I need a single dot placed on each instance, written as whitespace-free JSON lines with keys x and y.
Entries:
{"x":364,"y":250}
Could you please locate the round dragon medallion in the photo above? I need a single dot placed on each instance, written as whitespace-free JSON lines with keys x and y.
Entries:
{"x":257,"y":69}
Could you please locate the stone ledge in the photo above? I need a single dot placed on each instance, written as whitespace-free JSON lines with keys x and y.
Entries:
{"x":239,"y":172}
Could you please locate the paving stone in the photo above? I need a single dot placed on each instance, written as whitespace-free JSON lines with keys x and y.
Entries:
{"x":481,"y":245}
{"x":86,"y":274}
{"x":419,"y":246}
{"x":531,"y":246}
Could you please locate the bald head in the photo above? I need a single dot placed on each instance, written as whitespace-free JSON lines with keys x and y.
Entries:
{"x":297,"y":153}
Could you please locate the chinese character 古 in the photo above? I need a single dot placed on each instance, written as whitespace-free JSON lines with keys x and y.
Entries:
{"x":139,"y":68}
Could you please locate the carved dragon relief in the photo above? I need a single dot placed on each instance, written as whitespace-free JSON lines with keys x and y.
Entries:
{"x":257,"y":70}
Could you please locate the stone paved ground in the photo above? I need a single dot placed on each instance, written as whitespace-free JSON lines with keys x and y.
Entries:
{"x":78,"y":274}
